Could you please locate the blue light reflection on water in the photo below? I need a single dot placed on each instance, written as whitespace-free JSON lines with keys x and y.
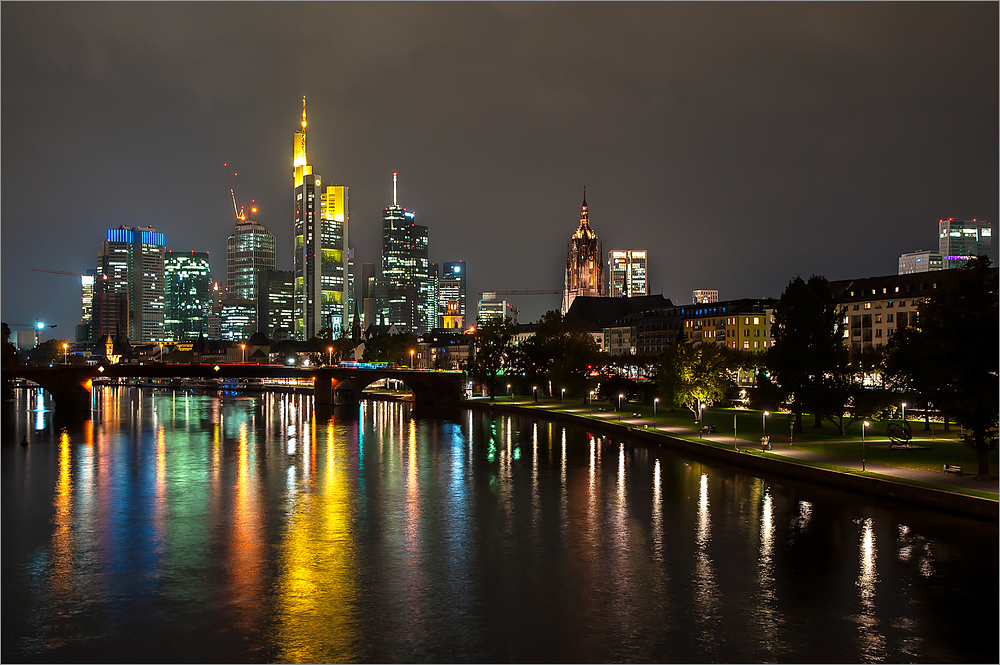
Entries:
{"x":186,"y":527}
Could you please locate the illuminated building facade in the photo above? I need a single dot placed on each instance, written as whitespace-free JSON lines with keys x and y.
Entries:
{"x":276,"y":304}
{"x":250,"y":251}
{"x":627,"y":273}
{"x":584,"y":265}
{"x":452,"y":292}
{"x":703,"y":296}
{"x":189,"y":295}
{"x":920,"y":261}
{"x":320,"y":253}
{"x":85,"y":329}
{"x":409,"y":288}
{"x":129,"y":284}
{"x":960,"y":240}
{"x":490,"y":308}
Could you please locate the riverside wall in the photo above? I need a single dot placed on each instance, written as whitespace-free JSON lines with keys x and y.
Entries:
{"x":880,"y":487}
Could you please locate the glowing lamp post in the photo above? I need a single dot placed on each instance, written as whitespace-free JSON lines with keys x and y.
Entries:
{"x":656,"y":400}
{"x":243,"y":350}
{"x":620,"y":395}
{"x":411,"y":358}
{"x":65,"y":353}
{"x":863,"y":426}
{"x":534,"y":391}
{"x":161,"y":352}
{"x":510,"y":395}
{"x":329,"y":355}
{"x":562,"y":394}
{"x":904,"y":413}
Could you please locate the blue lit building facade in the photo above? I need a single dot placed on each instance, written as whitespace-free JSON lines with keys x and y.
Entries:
{"x":129,"y":287}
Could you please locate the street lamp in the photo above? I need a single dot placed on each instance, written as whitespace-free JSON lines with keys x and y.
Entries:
{"x":904,"y":413}
{"x":591,"y":402}
{"x":411,"y":358}
{"x":329,"y":355}
{"x":735,"y":445}
{"x":763,"y":426}
{"x":510,"y":395}
{"x":656,"y":400}
{"x":161,"y":352}
{"x":243,"y":348}
{"x":534,"y":391}
{"x":620,"y":395}
{"x":562,"y":394}
{"x":66,"y":350}
{"x":863,"y":426}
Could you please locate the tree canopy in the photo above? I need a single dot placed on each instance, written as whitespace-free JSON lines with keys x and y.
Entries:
{"x":950,"y":357}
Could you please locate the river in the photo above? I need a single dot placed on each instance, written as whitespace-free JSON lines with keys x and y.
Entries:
{"x":176,"y":527}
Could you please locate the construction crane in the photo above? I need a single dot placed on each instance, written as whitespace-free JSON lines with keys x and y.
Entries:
{"x":239,"y":210}
{"x":522,"y":292}
{"x":61,"y":272}
{"x":236,"y":209}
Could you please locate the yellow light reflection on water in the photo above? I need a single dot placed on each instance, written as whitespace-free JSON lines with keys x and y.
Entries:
{"x":317,"y":587}
{"x":871,"y":641}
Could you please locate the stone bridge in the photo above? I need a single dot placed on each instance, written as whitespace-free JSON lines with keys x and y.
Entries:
{"x":71,"y":386}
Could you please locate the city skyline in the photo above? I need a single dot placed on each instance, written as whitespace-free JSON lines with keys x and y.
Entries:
{"x":740,"y":144}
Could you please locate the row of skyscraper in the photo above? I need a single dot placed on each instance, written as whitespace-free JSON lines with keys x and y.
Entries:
{"x":148,"y":293}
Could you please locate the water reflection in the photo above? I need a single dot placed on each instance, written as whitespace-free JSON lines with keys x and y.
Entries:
{"x":261,"y":530}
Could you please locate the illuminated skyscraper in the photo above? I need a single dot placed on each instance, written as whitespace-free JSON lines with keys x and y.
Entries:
{"x":410,"y":297}
{"x":85,"y":329}
{"x":189,"y":295}
{"x":250,"y":251}
{"x":320,"y":248}
{"x":584,"y":264}
{"x":627,"y":273}
{"x":961,"y":240}
{"x":452,"y":295}
{"x":129,"y":289}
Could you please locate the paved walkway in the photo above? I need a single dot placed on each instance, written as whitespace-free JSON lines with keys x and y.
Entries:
{"x":941,"y":478}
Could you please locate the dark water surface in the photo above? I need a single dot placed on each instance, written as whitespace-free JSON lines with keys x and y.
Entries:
{"x":177,"y":527}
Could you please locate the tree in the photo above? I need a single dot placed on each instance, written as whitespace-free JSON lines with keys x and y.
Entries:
{"x":807,"y":347}
{"x":951,"y":355}
{"x":693,"y":377}
{"x":494,"y":339}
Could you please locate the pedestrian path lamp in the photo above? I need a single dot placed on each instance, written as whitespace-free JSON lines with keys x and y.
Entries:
{"x":735,"y":445}
{"x":763,"y":422}
{"x":534,"y":391}
{"x":562,"y":394}
{"x":66,"y":352}
{"x":904,"y":413}
{"x":243,"y":348}
{"x":656,"y":400}
{"x":510,"y":395}
{"x":863,"y":426}
{"x":329,"y":355}
{"x":620,"y":395}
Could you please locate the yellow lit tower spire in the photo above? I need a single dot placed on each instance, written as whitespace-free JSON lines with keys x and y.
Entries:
{"x":301,"y":162}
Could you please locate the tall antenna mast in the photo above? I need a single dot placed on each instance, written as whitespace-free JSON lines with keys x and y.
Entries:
{"x":393,"y":188}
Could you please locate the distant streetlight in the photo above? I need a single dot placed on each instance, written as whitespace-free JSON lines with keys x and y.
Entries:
{"x":620,"y":395}
{"x":534,"y":391}
{"x":735,"y":445}
{"x":161,"y":352}
{"x":329,"y":355}
{"x":591,"y":402}
{"x":562,"y":394}
{"x":510,"y":395}
{"x":763,"y":428}
{"x":411,"y":358}
{"x":863,"y":426}
{"x":243,"y":349}
{"x":66,"y":351}
{"x":656,"y":400}
{"x":904,"y":413}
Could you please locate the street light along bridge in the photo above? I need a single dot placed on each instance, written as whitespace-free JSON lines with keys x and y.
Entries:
{"x":71,"y":387}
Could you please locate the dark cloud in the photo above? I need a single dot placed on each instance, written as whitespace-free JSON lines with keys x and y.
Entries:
{"x":741,"y":144}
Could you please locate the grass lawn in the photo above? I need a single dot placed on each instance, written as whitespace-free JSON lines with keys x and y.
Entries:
{"x":938,"y":447}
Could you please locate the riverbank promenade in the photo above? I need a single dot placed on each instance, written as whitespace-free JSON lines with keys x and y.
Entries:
{"x":922,"y":463}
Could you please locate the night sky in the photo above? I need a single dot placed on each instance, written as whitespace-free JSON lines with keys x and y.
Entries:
{"x":740,"y":144}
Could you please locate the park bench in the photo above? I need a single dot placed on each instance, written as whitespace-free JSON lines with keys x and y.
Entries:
{"x":708,"y":429}
{"x":952,"y":468}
